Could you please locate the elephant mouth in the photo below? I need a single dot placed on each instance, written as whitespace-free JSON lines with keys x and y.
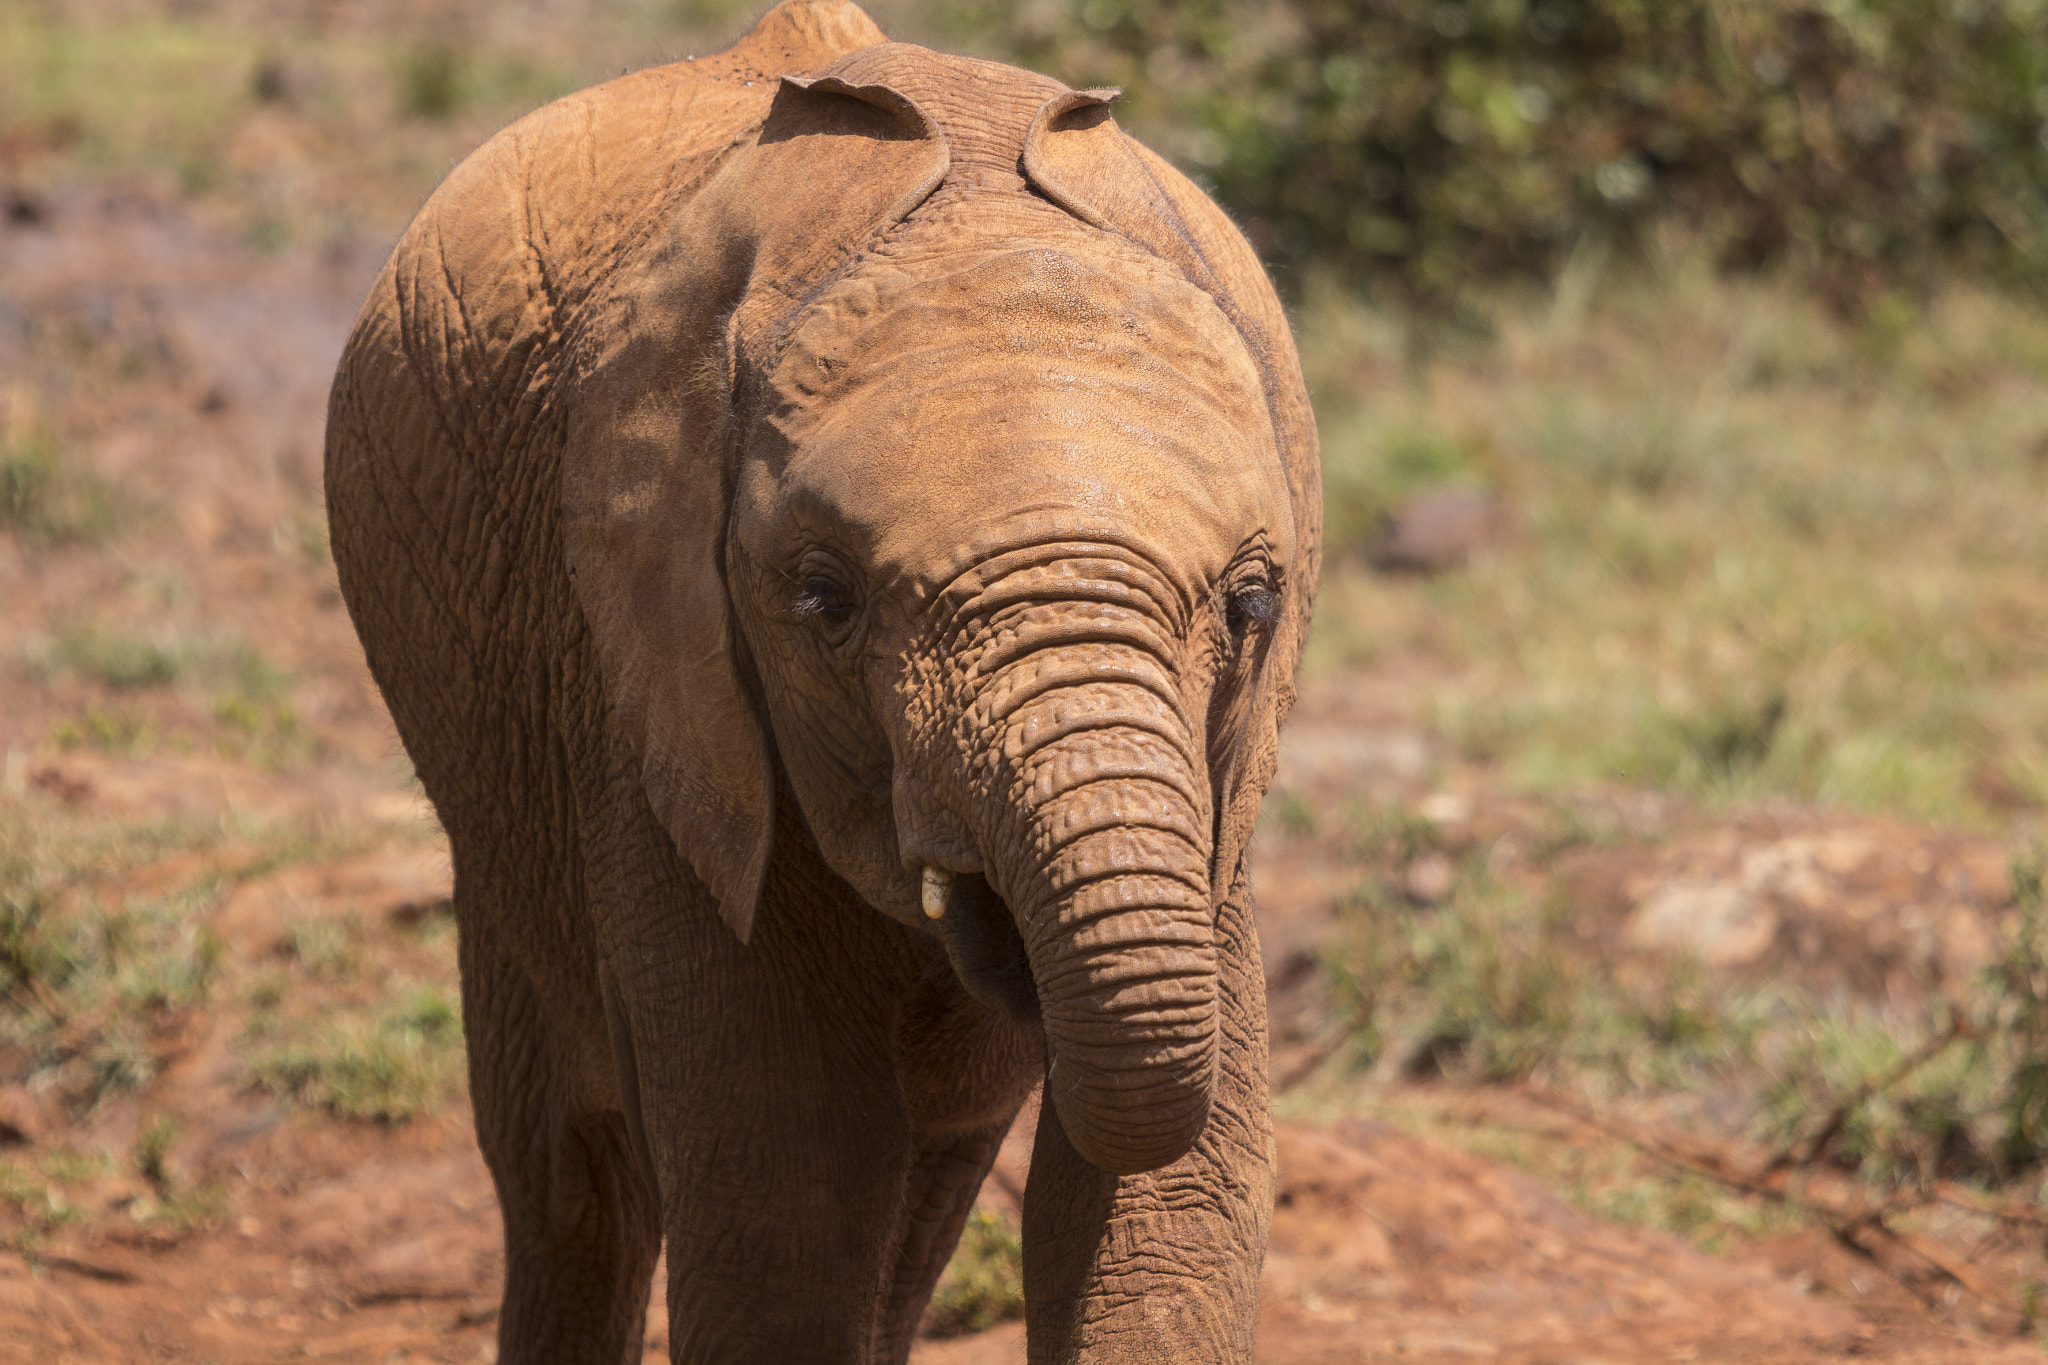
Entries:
{"x":987,"y":951}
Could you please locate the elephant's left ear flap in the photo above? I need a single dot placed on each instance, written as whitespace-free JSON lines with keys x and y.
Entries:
{"x":837,"y":160}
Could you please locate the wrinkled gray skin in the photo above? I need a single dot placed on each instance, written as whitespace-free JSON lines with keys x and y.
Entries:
{"x":756,"y":497}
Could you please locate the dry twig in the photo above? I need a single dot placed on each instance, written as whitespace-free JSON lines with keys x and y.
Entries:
{"x":1795,"y":1153}
{"x":1847,"y":1213}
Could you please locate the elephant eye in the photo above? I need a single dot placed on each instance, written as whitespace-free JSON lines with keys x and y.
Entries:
{"x":1250,"y":606}
{"x":823,"y":599}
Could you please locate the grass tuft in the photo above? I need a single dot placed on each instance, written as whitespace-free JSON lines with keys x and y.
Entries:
{"x":48,"y":500}
{"x":984,"y":1282}
{"x":404,"y":1061}
{"x":327,"y":948}
{"x":1491,"y":986}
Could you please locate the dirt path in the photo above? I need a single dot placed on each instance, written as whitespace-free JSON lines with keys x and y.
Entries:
{"x":360,"y":1245}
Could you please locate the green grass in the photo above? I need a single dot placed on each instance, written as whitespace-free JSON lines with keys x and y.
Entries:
{"x":88,"y":979}
{"x":149,"y":87}
{"x":245,"y":693}
{"x":120,"y":730}
{"x":327,"y":948}
{"x":387,"y":1064}
{"x":1755,"y":551}
{"x":129,"y":660}
{"x":1609,"y":1180}
{"x":94,"y":978}
{"x":1492,"y":985}
{"x":46,"y":1193}
{"x":62,"y":1186}
{"x":48,"y":499}
{"x":119,"y":659}
{"x":91,"y":978}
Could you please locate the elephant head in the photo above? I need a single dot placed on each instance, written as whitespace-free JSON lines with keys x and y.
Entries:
{"x":945,"y":467}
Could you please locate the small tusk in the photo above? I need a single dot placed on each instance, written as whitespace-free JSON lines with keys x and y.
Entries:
{"x":938,"y":887}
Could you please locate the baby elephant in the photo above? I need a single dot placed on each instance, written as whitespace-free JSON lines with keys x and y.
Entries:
{"x":835,"y":525}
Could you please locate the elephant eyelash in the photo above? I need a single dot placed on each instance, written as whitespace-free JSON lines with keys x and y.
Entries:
{"x":821,"y":599}
{"x":1253,"y":604}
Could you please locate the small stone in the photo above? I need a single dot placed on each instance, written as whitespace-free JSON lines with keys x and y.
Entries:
{"x":1429,"y":879}
{"x":1445,"y":808}
{"x":1719,"y":923}
{"x":1436,"y":531}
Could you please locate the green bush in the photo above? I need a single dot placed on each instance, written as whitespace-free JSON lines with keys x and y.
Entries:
{"x":984,"y":1282}
{"x":1864,"y":142}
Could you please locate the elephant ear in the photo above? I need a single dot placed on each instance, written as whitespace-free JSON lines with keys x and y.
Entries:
{"x":1076,"y":156}
{"x":648,"y":470}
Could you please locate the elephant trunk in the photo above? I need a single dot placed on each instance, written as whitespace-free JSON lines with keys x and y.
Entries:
{"x":1102,"y":854}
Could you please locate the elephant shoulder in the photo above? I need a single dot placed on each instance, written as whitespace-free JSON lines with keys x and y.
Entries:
{"x":603,"y":170}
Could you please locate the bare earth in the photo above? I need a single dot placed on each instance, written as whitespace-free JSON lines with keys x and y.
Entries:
{"x":199,"y":402}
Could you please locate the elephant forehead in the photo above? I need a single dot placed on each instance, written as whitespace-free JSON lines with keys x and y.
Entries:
{"x":935,"y":311}
{"x":1031,"y":396}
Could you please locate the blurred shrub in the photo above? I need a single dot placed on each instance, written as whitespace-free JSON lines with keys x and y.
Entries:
{"x":49,"y":500}
{"x":1863,"y":142}
{"x":1387,"y":465}
{"x":117,"y":658}
{"x":430,"y":80}
{"x":984,"y":1282}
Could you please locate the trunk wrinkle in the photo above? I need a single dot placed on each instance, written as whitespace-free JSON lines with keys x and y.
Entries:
{"x":1129,"y":756}
{"x":1043,"y":574}
{"x":1097,"y":807}
{"x":1134,"y":852}
{"x":1089,"y":929}
{"x":1099,"y":625}
{"x":1029,"y":681}
{"x":1025,"y":740}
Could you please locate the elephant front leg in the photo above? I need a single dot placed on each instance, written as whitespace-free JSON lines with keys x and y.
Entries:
{"x":944,"y":1180}
{"x":581,"y":1225}
{"x":1165,"y":1265}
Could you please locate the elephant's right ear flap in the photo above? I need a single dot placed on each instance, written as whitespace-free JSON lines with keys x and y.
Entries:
{"x":644,"y":536}
{"x":651,"y":431}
